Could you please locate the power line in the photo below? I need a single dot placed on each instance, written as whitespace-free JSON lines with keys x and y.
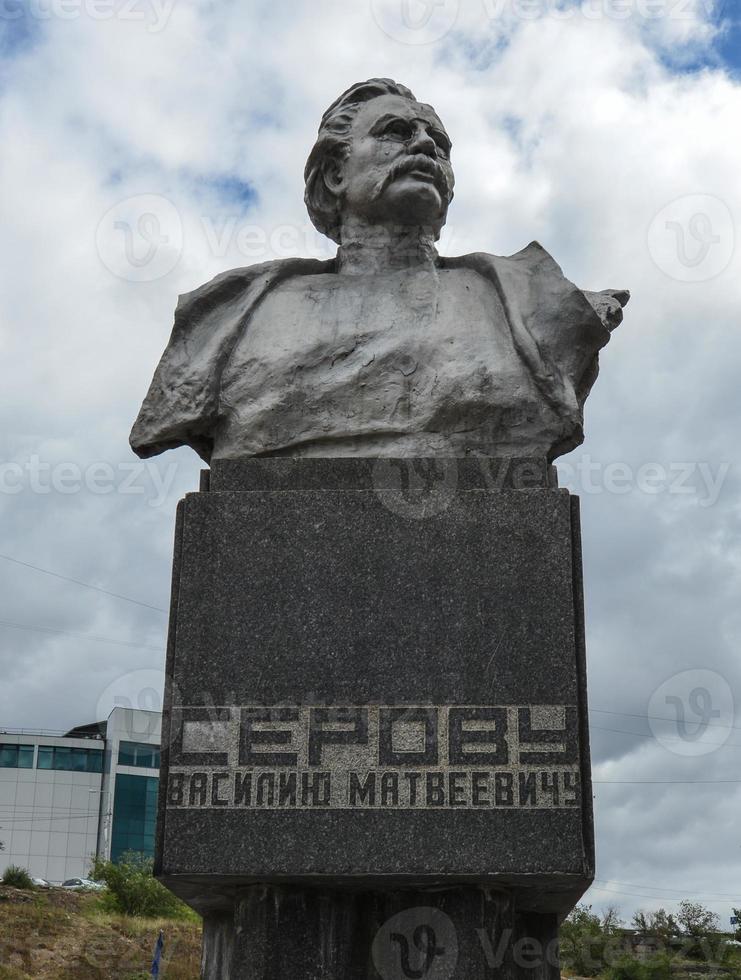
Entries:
{"x":83,"y":636}
{"x":75,"y":813}
{"x":85,"y":585}
{"x":681,"y":891}
{"x":661,"y":782}
{"x":9,"y":822}
{"x":23,"y":823}
{"x":662,"y":898}
{"x":614,"y":891}
{"x":620,"y":731}
{"x":627,"y":714}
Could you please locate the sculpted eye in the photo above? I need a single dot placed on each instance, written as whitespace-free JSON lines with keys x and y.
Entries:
{"x":443,"y":143}
{"x":398,"y":129}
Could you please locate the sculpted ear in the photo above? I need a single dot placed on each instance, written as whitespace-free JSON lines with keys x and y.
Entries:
{"x":325,"y":187}
{"x":333,"y":174}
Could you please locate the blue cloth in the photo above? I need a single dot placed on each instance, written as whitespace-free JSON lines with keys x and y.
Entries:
{"x":155,"y":971}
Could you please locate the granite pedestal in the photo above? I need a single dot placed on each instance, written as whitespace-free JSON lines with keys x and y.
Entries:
{"x":375,"y":758}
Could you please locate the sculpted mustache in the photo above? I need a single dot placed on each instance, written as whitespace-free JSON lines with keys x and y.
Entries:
{"x":418,"y":162}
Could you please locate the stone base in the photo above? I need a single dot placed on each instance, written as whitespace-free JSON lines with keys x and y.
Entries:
{"x":322,"y":934}
{"x":375,"y":758}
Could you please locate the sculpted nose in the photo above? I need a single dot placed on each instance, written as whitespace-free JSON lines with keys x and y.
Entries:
{"x":423,"y":143}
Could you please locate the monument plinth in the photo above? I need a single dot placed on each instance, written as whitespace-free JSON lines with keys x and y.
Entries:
{"x":376,"y":760}
{"x":377,"y":689}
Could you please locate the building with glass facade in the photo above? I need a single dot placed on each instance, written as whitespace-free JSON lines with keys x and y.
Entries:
{"x":92,"y":791}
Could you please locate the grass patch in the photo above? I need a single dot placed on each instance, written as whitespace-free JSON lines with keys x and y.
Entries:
{"x":17,"y":877}
{"x":61,"y":935}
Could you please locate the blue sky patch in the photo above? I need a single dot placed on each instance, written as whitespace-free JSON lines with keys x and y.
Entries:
{"x":18,"y":28}
{"x":724,"y":52}
{"x":728,"y":45}
{"x":232,"y":189}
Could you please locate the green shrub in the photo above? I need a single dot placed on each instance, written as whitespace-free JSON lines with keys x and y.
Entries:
{"x":629,"y":968}
{"x":658,"y":967}
{"x":732,"y":961}
{"x":132,"y":889}
{"x":17,"y":877}
{"x":586,"y":938}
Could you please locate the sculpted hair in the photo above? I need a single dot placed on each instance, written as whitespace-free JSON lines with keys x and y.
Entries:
{"x":334,"y":141}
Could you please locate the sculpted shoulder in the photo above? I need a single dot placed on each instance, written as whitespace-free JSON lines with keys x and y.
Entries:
{"x":234,"y":283}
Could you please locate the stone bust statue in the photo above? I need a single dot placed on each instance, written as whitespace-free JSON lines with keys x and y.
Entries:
{"x":389,"y":349}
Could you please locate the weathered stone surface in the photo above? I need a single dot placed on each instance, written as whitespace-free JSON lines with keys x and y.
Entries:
{"x":389,"y":349}
{"x":439,"y":478}
{"x":384,"y":645}
{"x":320,"y":934}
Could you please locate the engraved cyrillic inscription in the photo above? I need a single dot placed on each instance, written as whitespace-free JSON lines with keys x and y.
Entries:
{"x":374,"y":757}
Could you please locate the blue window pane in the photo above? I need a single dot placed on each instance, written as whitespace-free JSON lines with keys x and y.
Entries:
{"x":64,"y":758}
{"x":16,"y":756}
{"x":134,"y":805}
{"x":139,"y":754}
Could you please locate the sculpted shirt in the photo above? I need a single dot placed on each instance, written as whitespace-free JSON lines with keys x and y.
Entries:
{"x":481,"y":355}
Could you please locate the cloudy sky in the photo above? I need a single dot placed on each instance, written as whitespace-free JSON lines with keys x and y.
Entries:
{"x":148,"y":145}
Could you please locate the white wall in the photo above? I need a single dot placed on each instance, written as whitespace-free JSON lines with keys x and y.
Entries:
{"x":49,"y":819}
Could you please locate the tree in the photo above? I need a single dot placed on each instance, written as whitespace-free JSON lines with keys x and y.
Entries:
{"x":699,"y":925}
{"x":696,"y":920}
{"x":658,"y":923}
{"x":584,"y":936}
{"x":611,"y":921}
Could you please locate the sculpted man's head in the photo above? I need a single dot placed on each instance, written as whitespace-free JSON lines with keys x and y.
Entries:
{"x":381,"y":159}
